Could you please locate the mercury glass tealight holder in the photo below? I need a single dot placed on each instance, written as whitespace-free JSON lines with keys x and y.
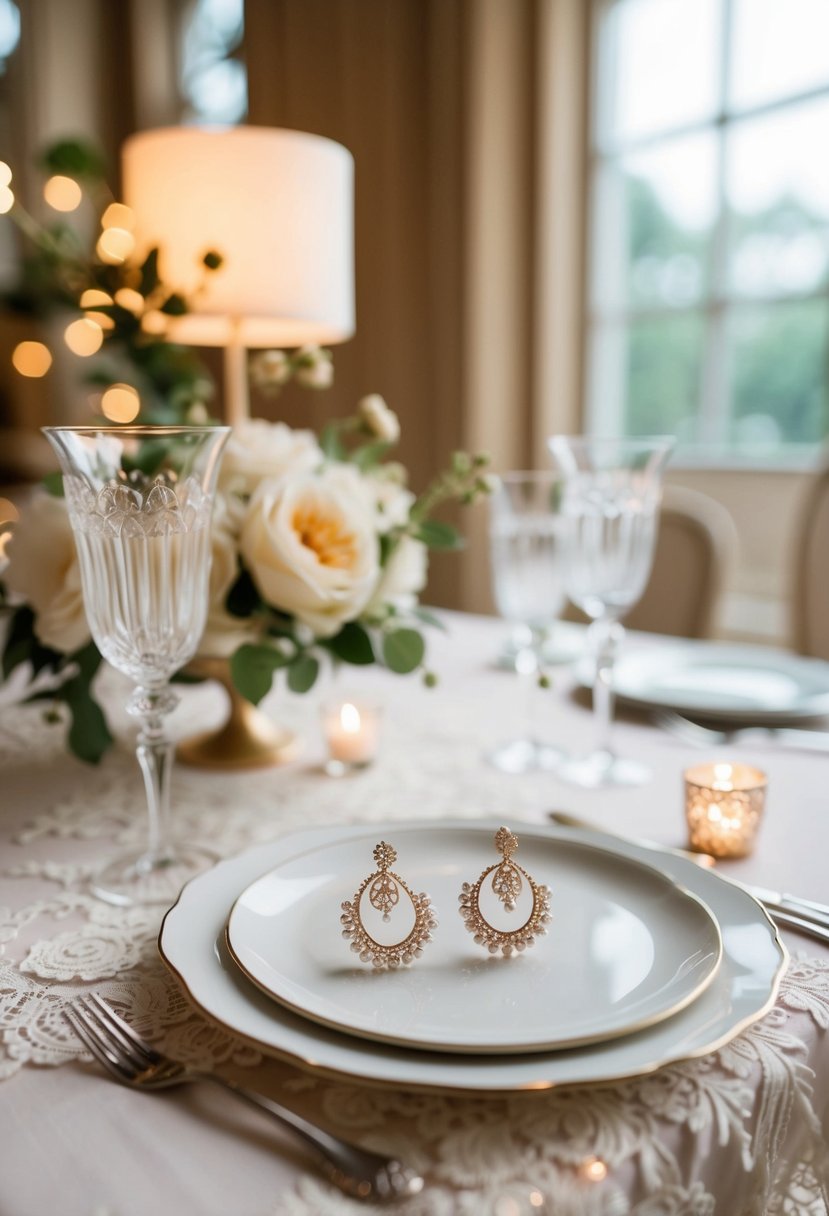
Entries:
{"x":352,"y":735}
{"x":724,"y":804}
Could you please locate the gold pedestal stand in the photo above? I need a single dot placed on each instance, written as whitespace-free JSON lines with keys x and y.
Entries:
{"x":248,"y":738}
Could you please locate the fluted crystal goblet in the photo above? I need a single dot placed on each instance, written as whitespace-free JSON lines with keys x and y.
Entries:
{"x":139,"y":501}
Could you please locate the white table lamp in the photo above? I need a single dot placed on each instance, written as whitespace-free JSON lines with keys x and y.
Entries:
{"x":278,"y":206}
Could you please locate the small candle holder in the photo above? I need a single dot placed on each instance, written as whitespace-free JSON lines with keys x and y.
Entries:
{"x":352,"y":733}
{"x":724,"y":804}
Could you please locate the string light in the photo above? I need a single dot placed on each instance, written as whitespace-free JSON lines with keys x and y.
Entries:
{"x":8,"y":511}
{"x":130,"y":299}
{"x":93,"y":297}
{"x":6,"y":200}
{"x":120,"y":403}
{"x":5,"y":173}
{"x":115,"y":245}
{"x":118,"y":215}
{"x":154,"y":322}
{"x":62,"y":193}
{"x":31,"y":359}
{"x":83,"y":337}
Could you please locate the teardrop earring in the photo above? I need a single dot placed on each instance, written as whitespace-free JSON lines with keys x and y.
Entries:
{"x":382,"y":890}
{"x":507,"y":883}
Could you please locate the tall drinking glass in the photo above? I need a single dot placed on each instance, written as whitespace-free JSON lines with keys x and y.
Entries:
{"x":525,"y":540}
{"x":139,"y":501}
{"x":612,"y":492}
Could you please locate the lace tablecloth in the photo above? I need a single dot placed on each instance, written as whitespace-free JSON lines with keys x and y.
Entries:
{"x":739,"y":1133}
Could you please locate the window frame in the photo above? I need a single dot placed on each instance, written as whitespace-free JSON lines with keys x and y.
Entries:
{"x":717,"y":304}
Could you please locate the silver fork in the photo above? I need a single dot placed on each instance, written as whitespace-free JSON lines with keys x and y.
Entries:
{"x":132,"y":1062}
{"x":707,"y":736}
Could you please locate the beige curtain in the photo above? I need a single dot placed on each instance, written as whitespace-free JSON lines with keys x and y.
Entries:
{"x":466,"y":119}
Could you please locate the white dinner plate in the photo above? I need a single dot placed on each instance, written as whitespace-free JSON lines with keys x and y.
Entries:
{"x":627,"y":946}
{"x":192,"y":943}
{"x":717,"y":680}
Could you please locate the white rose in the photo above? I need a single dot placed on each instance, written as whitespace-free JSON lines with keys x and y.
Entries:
{"x":311,"y":548}
{"x":43,"y":569}
{"x":380,"y":420}
{"x":258,"y":449}
{"x":270,"y":369}
{"x":314,"y":367}
{"x":402,"y":578}
{"x":392,"y":503}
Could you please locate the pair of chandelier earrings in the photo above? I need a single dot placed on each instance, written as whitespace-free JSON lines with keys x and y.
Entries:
{"x":385,"y":888}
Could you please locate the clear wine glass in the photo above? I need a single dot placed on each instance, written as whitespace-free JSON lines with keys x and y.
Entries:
{"x":139,"y":501}
{"x":527,"y":583}
{"x":612,"y":492}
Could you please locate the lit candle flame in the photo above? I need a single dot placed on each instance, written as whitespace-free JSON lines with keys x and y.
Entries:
{"x":350,"y":718}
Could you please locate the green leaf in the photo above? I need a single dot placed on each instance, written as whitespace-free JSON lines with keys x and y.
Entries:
{"x":369,"y":455}
{"x":429,"y":618}
{"x":149,"y":273}
{"x":252,"y":670}
{"x":89,"y":736}
{"x":175,"y":305}
{"x":303,"y":672}
{"x":53,"y":482}
{"x":73,"y":158}
{"x":243,"y":599}
{"x":403,"y":650}
{"x":438,"y":535}
{"x":331,"y":443}
{"x":353,"y":645}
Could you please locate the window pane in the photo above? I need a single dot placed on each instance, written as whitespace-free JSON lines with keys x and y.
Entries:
{"x":645,"y":376}
{"x":778,"y":191}
{"x":658,"y":66}
{"x":778,"y":357}
{"x":781,"y":47}
{"x":654,"y":213}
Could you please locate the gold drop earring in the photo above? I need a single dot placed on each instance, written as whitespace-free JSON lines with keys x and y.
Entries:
{"x":383,"y":890}
{"x":508,"y":879}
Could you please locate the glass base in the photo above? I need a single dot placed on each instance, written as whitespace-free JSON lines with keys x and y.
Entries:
{"x":602,"y":769}
{"x":524,"y":756}
{"x":141,"y":878}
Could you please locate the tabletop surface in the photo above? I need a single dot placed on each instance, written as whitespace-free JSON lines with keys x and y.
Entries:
{"x":733,"y":1130}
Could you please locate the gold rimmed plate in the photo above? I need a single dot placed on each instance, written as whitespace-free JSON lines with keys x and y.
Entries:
{"x":627,"y":948}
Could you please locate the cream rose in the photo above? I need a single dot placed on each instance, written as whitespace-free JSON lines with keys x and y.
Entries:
{"x":258,"y":449}
{"x":403,"y":576}
{"x":224,"y":633}
{"x":43,"y":569}
{"x":311,"y":547}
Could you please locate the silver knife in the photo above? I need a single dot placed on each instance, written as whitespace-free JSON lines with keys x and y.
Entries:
{"x":806,"y":915}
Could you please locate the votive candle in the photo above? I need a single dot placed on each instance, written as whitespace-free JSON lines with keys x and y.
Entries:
{"x":723,"y":806}
{"x":352,"y":732}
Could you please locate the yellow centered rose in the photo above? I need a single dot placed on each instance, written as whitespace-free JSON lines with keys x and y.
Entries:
{"x":311,"y":547}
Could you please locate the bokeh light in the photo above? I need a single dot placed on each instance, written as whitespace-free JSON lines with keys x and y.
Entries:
{"x":593,"y":1169}
{"x":93,"y":297}
{"x":121,"y":403}
{"x":154,"y":322}
{"x":118,"y":215}
{"x":115,"y":245}
{"x":130,"y":299}
{"x":83,"y":337}
{"x":31,"y":359}
{"x":8,"y":511}
{"x":6,"y":200}
{"x":62,"y":193}
{"x":5,"y":173}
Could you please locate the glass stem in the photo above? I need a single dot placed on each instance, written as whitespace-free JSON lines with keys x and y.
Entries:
{"x":527,"y":665}
{"x":606,"y":636}
{"x":155,"y":756}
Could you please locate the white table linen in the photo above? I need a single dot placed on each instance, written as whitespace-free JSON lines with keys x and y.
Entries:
{"x":722,"y":1133}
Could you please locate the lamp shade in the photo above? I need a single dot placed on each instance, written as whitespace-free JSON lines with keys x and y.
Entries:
{"x":277,"y":205}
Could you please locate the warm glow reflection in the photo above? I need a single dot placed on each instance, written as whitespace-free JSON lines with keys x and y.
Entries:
{"x":536,"y":1199}
{"x":62,"y":193}
{"x":118,"y":215}
{"x":8,"y":511}
{"x":154,"y":322}
{"x":121,"y":403}
{"x":132,"y":300}
{"x":31,"y":359}
{"x":593,"y":1169}
{"x":6,"y":200}
{"x":92,"y":297}
{"x":722,"y":776}
{"x":83,"y":337}
{"x":101,"y":318}
{"x":350,"y":718}
{"x":115,"y":245}
{"x":5,"y":537}
{"x":5,"y":173}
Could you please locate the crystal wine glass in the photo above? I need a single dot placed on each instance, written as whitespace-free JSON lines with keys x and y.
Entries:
{"x":612,"y":492}
{"x":139,"y":501}
{"x":527,"y":583}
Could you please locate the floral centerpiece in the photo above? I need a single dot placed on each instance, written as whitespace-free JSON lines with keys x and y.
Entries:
{"x":320,"y":551}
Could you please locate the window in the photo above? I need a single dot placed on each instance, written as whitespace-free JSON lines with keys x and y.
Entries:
{"x":709,"y":254}
{"x":213,"y":77}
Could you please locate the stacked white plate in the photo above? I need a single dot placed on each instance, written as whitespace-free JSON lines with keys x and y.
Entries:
{"x":649,"y":959}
